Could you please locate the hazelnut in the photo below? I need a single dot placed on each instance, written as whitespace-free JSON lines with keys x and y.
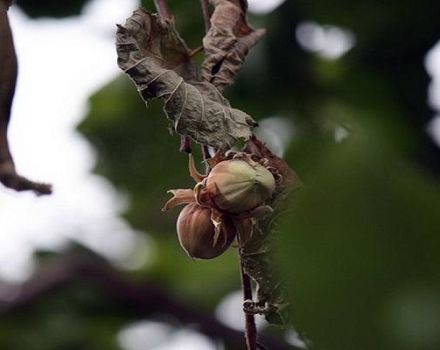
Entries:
{"x":236,"y":186}
{"x":197,"y":233}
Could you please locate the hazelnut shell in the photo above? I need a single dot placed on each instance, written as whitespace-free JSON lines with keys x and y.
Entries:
{"x":196,"y":233}
{"x":236,"y":186}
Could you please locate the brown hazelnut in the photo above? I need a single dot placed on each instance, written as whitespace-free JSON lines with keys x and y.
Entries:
{"x":197,"y":233}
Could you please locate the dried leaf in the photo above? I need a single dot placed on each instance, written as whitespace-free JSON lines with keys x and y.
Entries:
{"x":152,"y":53}
{"x":227,"y":42}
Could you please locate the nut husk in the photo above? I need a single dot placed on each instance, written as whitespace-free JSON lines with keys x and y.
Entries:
{"x":236,"y":185}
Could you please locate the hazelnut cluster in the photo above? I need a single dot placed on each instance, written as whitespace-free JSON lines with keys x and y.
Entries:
{"x":224,"y":204}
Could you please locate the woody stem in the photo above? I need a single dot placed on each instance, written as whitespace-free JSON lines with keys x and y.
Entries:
{"x":250,"y":331}
{"x":162,"y":8}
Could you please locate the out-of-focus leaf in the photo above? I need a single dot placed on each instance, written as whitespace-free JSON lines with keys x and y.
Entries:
{"x":361,"y":235}
{"x":197,"y":109}
{"x":227,"y":42}
{"x":77,"y":316}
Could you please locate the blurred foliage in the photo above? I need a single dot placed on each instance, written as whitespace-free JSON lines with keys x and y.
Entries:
{"x":359,"y":248}
{"x":74,"y":318}
{"x":359,"y":245}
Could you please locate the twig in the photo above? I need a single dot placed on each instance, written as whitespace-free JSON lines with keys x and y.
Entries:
{"x":206,"y":15}
{"x":10,"y":179}
{"x":162,"y":8}
{"x":250,"y":331}
{"x":8,"y":77}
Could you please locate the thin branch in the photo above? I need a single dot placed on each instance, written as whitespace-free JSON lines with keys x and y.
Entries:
{"x":162,"y":8}
{"x":8,"y":77}
{"x":250,"y":327}
{"x":206,"y":15}
{"x":10,"y":179}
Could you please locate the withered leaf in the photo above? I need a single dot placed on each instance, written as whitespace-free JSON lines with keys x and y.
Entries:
{"x":227,"y":42}
{"x":156,"y":58}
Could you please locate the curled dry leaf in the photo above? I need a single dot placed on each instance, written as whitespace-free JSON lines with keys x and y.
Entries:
{"x":8,"y":76}
{"x":227,"y":42}
{"x":156,"y":58}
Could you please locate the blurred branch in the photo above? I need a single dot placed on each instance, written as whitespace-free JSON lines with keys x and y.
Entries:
{"x":8,"y":77}
{"x":142,"y":297}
